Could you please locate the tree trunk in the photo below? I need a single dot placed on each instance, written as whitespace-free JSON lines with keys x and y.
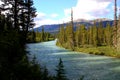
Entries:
{"x":115,"y":25}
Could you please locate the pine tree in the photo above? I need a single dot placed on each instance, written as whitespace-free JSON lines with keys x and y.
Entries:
{"x":21,"y":14}
{"x":87,"y":36}
{"x":13,"y":11}
{"x":31,"y":14}
{"x":108,"y":35}
{"x":77,"y":38}
{"x":95,"y":36}
{"x":101,"y":34}
{"x":62,"y":36}
{"x":70,"y":37}
{"x":47,"y":35}
{"x":42,"y":34}
{"x":60,"y":75}
{"x":35,"y":70}
{"x":83,"y":35}
{"x":28,"y":13}
{"x":118,"y":35}
{"x":70,"y":34}
{"x":45,"y":74}
{"x":37,"y":36}
{"x":115,"y":25}
{"x":91,"y":35}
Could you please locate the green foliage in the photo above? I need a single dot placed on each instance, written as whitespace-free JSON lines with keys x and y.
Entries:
{"x":108,"y":35}
{"x":14,"y":63}
{"x":95,"y":36}
{"x":61,"y":36}
{"x":70,"y":37}
{"x":100,"y":34}
{"x":81,"y":78}
{"x":118,"y":35}
{"x":60,"y":75}
{"x":42,"y":34}
{"x":101,"y":50}
{"x":77,"y":38}
{"x":31,"y":36}
{"x":83,"y":35}
{"x":39,"y":36}
{"x":45,"y":74}
{"x":90,"y":36}
{"x":94,"y":40}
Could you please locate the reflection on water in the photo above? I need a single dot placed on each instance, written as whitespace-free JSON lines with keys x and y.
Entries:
{"x":76,"y":63}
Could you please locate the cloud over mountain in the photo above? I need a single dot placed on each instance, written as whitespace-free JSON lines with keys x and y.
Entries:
{"x":84,"y":9}
{"x":90,"y":9}
{"x":43,"y":19}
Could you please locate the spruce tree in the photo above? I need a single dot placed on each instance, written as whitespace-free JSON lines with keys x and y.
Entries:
{"x":101,"y":34}
{"x":13,"y":11}
{"x":77,"y":38}
{"x":83,"y":35}
{"x":91,"y":35}
{"x":62,"y":36}
{"x":70,"y":34}
{"x":45,"y":74}
{"x":95,"y":36}
{"x":115,"y":25}
{"x":118,"y":35}
{"x":42,"y":34}
{"x":21,"y":13}
{"x":108,"y":35}
{"x":60,"y":75}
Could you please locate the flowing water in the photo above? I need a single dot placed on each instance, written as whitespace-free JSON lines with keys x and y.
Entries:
{"x":76,"y":64}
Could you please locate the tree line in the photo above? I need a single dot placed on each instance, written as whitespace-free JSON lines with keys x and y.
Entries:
{"x":16,"y":19}
{"x":87,"y":37}
{"x":39,"y":36}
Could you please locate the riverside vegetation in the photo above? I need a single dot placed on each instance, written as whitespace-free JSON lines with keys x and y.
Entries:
{"x":96,"y":39}
{"x":34,"y":37}
{"x":14,"y":34}
{"x":93,"y":40}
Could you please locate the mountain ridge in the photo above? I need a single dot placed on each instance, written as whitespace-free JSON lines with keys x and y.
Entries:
{"x":55,"y":27}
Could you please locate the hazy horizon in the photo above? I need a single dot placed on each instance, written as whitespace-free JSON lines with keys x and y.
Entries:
{"x":58,"y":11}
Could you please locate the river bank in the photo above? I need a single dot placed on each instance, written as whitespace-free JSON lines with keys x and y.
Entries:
{"x":76,"y":63}
{"x":101,"y":50}
{"x":104,"y":50}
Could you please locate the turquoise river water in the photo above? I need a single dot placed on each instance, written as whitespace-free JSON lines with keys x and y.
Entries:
{"x":76,"y":64}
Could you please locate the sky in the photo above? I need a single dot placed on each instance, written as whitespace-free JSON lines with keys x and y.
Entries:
{"x":58,"y":11}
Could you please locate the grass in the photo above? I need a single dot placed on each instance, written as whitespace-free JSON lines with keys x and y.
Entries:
{"x":102,"y":50}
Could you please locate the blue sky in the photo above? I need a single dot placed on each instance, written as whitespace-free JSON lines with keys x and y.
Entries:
{"x":58,"y":11}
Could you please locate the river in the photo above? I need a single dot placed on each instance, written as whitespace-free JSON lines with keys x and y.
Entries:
{"x":76,"y":64}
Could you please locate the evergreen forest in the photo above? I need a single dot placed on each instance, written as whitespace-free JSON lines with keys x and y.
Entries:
{"x":16,"y":21}
{"x":96,"y":39}
{"x":16,"y":30}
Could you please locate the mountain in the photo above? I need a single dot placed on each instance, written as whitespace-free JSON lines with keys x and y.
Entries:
{"x":53,"y":28}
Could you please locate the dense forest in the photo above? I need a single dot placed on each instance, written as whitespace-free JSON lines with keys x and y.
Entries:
{"x":15,"y":22}
{"x":39,"y":36}
{"x":95,"y":39}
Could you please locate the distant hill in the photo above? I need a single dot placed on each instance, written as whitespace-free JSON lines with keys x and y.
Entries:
{"x":53,"y":28}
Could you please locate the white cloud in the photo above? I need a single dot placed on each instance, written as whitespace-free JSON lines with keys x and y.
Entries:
{"x":84,"y":9}
{"x":104,"y":0}
{"x":40,"y":16}
{"x":43,"y":19}
{"x":45,"y":22}
{"x":54,"y":15}
{"x":1,"y":2}
{"x":89,"y":9}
